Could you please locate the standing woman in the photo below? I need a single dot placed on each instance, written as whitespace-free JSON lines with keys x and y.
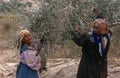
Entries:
{"x":95,"y":46}
{"x":29,"y":61}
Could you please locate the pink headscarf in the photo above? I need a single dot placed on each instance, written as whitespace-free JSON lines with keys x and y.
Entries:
{"x":101,"y":23}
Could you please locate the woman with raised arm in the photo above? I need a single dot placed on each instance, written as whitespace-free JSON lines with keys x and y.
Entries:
{"x":29,"y":61}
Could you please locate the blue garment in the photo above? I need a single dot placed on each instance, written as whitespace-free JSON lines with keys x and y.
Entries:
{"x":97,"y":41}
{"x":23,"y":71}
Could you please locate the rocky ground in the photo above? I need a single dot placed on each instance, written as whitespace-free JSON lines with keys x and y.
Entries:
{"x":57,"y":68}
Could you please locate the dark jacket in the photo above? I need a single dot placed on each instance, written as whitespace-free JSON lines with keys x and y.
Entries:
{"x":92,"y":64}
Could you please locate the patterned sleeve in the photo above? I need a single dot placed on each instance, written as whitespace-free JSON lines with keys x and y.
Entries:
{"x":29,"y":58}
{"x":37,"y":44}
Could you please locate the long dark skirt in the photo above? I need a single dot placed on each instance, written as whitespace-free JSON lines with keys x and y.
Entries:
{"x":23,"y":71}
{"x":89,"y":68}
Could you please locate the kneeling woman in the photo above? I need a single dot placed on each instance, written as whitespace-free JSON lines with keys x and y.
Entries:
{"x":29,"y":61}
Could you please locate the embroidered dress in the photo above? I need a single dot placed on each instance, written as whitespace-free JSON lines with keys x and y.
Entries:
{"x":29,"y":63}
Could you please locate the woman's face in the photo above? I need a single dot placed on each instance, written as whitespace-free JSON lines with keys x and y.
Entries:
{"x":28,"y":39}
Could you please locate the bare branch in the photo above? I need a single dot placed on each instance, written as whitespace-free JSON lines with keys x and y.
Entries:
{"x":114,"y":24}
{"x":82,"y":20}
{"x":69,"y":6}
